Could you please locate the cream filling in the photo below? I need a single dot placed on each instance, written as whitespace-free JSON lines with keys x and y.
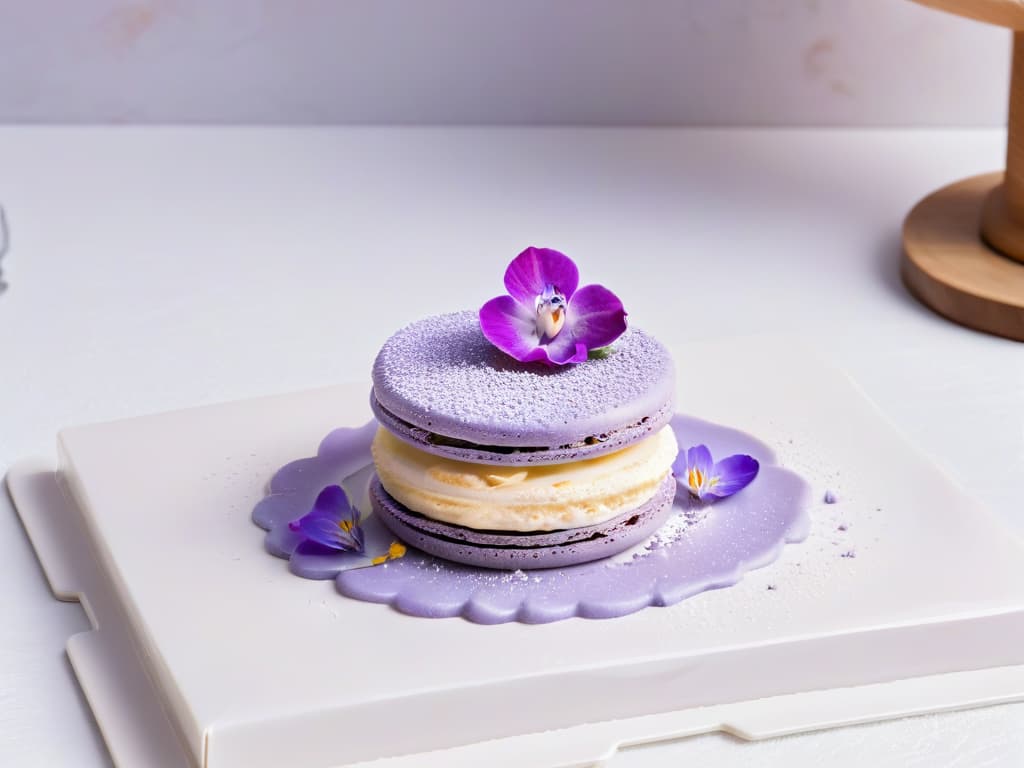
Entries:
{"x":531,"y":498}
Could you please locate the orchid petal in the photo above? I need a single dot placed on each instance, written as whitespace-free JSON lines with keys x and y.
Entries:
{"x":595,"y":317}
{"x":536,"y":268}
{"x":565,"y":349}
{"x":510,"y":327}
{"x":732,"y":474}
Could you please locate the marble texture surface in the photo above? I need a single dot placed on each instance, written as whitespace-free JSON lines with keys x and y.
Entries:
{"x":593,"y":62}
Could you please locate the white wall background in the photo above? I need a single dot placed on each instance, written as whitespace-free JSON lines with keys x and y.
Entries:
{"x":870,"y":62}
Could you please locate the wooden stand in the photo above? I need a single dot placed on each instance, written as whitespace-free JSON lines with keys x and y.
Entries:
{"x":963,"y":246}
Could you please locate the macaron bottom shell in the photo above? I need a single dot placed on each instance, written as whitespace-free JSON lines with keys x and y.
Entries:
{"x":525,"y":551}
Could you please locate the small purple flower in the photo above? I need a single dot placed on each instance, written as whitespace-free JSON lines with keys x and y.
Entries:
{"x":697,"y":472}
{"x":333,"y":522}
{"x":545,"y":317}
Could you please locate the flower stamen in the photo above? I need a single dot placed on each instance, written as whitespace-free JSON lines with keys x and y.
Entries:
{"x":696,"y":479}
{"x":550,"y":312}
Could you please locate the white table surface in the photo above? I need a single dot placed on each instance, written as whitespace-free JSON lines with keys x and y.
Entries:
{"x":153,"y":269}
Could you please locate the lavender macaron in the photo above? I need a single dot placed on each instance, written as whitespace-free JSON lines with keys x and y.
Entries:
{"x":533,"y":433}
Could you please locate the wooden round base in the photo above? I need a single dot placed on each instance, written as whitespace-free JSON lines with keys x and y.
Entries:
{"x":948,"y":267}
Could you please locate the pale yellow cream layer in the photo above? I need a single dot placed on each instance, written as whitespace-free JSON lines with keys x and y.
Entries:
{"x":542,"y":498}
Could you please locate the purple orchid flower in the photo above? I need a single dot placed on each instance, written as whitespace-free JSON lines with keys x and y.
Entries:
{"x":696,"y":471}
{"x":333,"y":522}
{"x":545,"y":317}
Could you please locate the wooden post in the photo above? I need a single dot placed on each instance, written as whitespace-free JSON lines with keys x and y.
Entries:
{"x":1002,"y":217}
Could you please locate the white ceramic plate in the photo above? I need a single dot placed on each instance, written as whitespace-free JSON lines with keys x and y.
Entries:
{"x":208,"y":651}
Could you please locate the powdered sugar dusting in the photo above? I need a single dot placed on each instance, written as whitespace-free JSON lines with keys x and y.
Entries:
{"x":685,"y":517}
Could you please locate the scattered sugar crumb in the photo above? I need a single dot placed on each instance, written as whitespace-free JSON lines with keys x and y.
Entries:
{"x":518,"y":575}
{"x":675,"y":528}
{"x":842,"y":527}
{"x":830,"y":497}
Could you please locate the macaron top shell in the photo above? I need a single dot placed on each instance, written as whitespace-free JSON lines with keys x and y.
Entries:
{"x":442,"y":376}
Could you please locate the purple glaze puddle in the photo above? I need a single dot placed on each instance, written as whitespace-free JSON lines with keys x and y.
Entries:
{"x":705,"y":546}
